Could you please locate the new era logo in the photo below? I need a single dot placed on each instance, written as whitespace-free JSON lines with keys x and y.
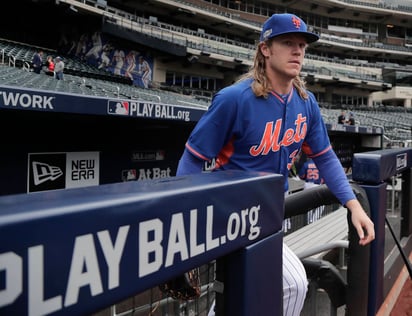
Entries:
{"x":53,"y":171}
{"x":46,"y":171}
{"x":43,"y":172}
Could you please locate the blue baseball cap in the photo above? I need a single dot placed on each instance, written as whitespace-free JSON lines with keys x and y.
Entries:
{"x":286,"y":23}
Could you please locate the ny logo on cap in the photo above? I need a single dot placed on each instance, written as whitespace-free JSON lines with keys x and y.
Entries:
{"x":296,"y":21}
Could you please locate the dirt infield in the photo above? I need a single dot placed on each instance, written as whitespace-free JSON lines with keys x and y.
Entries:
{"x":398,"y":301}
{"x":403,"y":305}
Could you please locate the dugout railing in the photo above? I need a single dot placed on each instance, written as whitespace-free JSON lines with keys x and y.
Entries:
{"x":78,"y":251}
{"x":374,"y":171}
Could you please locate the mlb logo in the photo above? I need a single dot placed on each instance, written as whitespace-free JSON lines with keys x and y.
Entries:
{"x":118,"y":107}
{"x":129,"y":175}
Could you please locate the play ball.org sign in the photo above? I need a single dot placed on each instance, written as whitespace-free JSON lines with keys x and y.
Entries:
{"x":53,"y":171}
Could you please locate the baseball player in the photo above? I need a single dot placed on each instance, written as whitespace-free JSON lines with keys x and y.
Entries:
{"x":104,"y":56}
{"x":312,"y":177}
{"x":145,"y":71}
{"x":130,"y":61}
{"x":118,"y":60}
{"x":262,"y":122}
{"x":96,"y":46}
{"x":310,"y":174}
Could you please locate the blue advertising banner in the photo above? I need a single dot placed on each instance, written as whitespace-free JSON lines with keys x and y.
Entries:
{"x":77,"y":251}
{"x":46,"y":101}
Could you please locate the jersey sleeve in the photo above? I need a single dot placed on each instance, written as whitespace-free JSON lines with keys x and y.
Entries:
{"x":334,"y":176}
{"x":189,"y":164}
{"x":302,"y":171}
{"x":215,"y":127}
{"x":317,"y":139}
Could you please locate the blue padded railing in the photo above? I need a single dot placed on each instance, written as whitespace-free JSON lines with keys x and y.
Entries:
{"x":78,"y":251}
{"x":372,"y":169}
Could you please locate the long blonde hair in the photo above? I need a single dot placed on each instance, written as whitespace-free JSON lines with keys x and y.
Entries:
{"x":260,"y":85}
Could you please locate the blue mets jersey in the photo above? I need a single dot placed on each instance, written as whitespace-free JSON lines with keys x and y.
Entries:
{"x":242,"y":131}
{"x":310,"y":173}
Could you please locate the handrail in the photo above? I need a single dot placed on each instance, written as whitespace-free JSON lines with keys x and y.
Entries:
{"x":12,"y":61}
{"x":26,"y":66}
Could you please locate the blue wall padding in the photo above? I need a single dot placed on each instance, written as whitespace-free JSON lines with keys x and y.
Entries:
{"x":253,"y":279}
